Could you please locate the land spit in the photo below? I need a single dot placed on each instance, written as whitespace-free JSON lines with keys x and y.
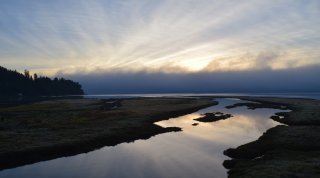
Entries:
{"x":50,"y":129}
{"x":290,"y":150}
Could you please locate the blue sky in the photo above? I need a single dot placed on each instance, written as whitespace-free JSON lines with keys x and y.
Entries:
{"x":166,"y":36}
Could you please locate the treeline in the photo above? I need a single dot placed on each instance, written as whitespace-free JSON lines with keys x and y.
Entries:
{"x":15,"y":83}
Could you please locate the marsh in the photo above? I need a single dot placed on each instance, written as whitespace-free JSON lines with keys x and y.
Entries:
{"x":194,"y":151}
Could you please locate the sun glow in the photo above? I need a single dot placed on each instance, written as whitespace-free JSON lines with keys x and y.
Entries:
{"x":167,"y":36}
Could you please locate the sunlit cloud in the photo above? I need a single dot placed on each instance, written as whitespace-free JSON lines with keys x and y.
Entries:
{"x":158,"y":36}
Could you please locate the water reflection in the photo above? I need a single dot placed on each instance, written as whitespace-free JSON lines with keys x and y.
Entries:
{"x":194,"y":152}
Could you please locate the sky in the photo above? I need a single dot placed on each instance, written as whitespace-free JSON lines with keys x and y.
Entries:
{"x":103,"y":42}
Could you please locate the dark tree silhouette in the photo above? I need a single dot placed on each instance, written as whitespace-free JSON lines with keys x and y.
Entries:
{"x":35,"y":76}
{"x":14,"y":83}
{"x":27,"y":73}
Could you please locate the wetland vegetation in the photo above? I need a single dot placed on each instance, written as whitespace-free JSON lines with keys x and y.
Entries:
{"x":290,"y":150}
{"x":45,"y":130}
{"x":49,"y":129}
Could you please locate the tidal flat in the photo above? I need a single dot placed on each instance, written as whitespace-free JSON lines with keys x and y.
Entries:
{"x":50,"y":129}
{"x":290,"y":150}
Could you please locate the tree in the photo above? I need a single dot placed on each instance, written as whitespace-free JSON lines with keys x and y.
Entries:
{"x":26,"y":73}
{"x":35,"y":76}
{"x":13,"y":83}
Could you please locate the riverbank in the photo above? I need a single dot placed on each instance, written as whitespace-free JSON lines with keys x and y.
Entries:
{"x":290,"y":150}
{"x":50,"y":129}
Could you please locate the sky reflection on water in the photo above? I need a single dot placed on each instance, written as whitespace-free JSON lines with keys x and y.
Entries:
{"x":197,"y":151}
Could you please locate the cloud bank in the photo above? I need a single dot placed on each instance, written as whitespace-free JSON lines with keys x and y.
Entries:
{"x":304,"y":79}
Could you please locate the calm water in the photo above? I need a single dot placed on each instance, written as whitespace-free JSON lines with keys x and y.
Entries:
{"x":310,"y":95}
{"x":197,"y":151}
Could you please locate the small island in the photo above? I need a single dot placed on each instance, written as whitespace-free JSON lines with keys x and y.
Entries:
{"x":214,"y":116}
{"x":195,"y":124}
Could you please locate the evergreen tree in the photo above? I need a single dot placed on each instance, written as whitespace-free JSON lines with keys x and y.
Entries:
{"x":14,"y":83}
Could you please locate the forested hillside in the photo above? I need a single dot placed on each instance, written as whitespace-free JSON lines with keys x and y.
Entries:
{"x":15,"y":83}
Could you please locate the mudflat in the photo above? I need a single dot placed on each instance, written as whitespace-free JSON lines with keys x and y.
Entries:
{"x":213,"y":117}
{"x":50,"y":129}
{"x":290,"y":150}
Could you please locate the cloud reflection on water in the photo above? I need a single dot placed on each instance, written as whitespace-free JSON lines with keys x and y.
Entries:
{"x":197,"y":151}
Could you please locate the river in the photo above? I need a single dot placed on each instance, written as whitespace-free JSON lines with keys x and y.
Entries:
{"x":197,"y":151}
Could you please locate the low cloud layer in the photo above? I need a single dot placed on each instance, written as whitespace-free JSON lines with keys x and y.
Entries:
{"x":304,"y":79}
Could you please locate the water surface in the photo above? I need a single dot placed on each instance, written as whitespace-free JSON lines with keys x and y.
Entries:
{"x":197,"y":151}
{"x":310,"y":95}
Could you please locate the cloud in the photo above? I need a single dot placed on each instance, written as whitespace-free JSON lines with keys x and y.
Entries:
{"x":186,"y":36}
{"x":303,"y":79}
{"x":250,"y":61}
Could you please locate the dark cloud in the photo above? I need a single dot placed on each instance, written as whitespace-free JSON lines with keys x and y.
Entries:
{"x":304,"y":79}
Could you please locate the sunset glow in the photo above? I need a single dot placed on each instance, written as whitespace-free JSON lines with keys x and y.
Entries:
{"x":170,"y":36}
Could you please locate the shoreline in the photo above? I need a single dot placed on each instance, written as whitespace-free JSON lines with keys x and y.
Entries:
{"x":294,"y":145}
{"x":290,"y":150}
{"x":111,"y":126}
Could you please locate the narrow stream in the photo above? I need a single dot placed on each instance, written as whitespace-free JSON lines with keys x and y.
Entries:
{"x":197,"y":151}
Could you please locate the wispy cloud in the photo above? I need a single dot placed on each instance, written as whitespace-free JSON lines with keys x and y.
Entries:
{"x":150,"y":35}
